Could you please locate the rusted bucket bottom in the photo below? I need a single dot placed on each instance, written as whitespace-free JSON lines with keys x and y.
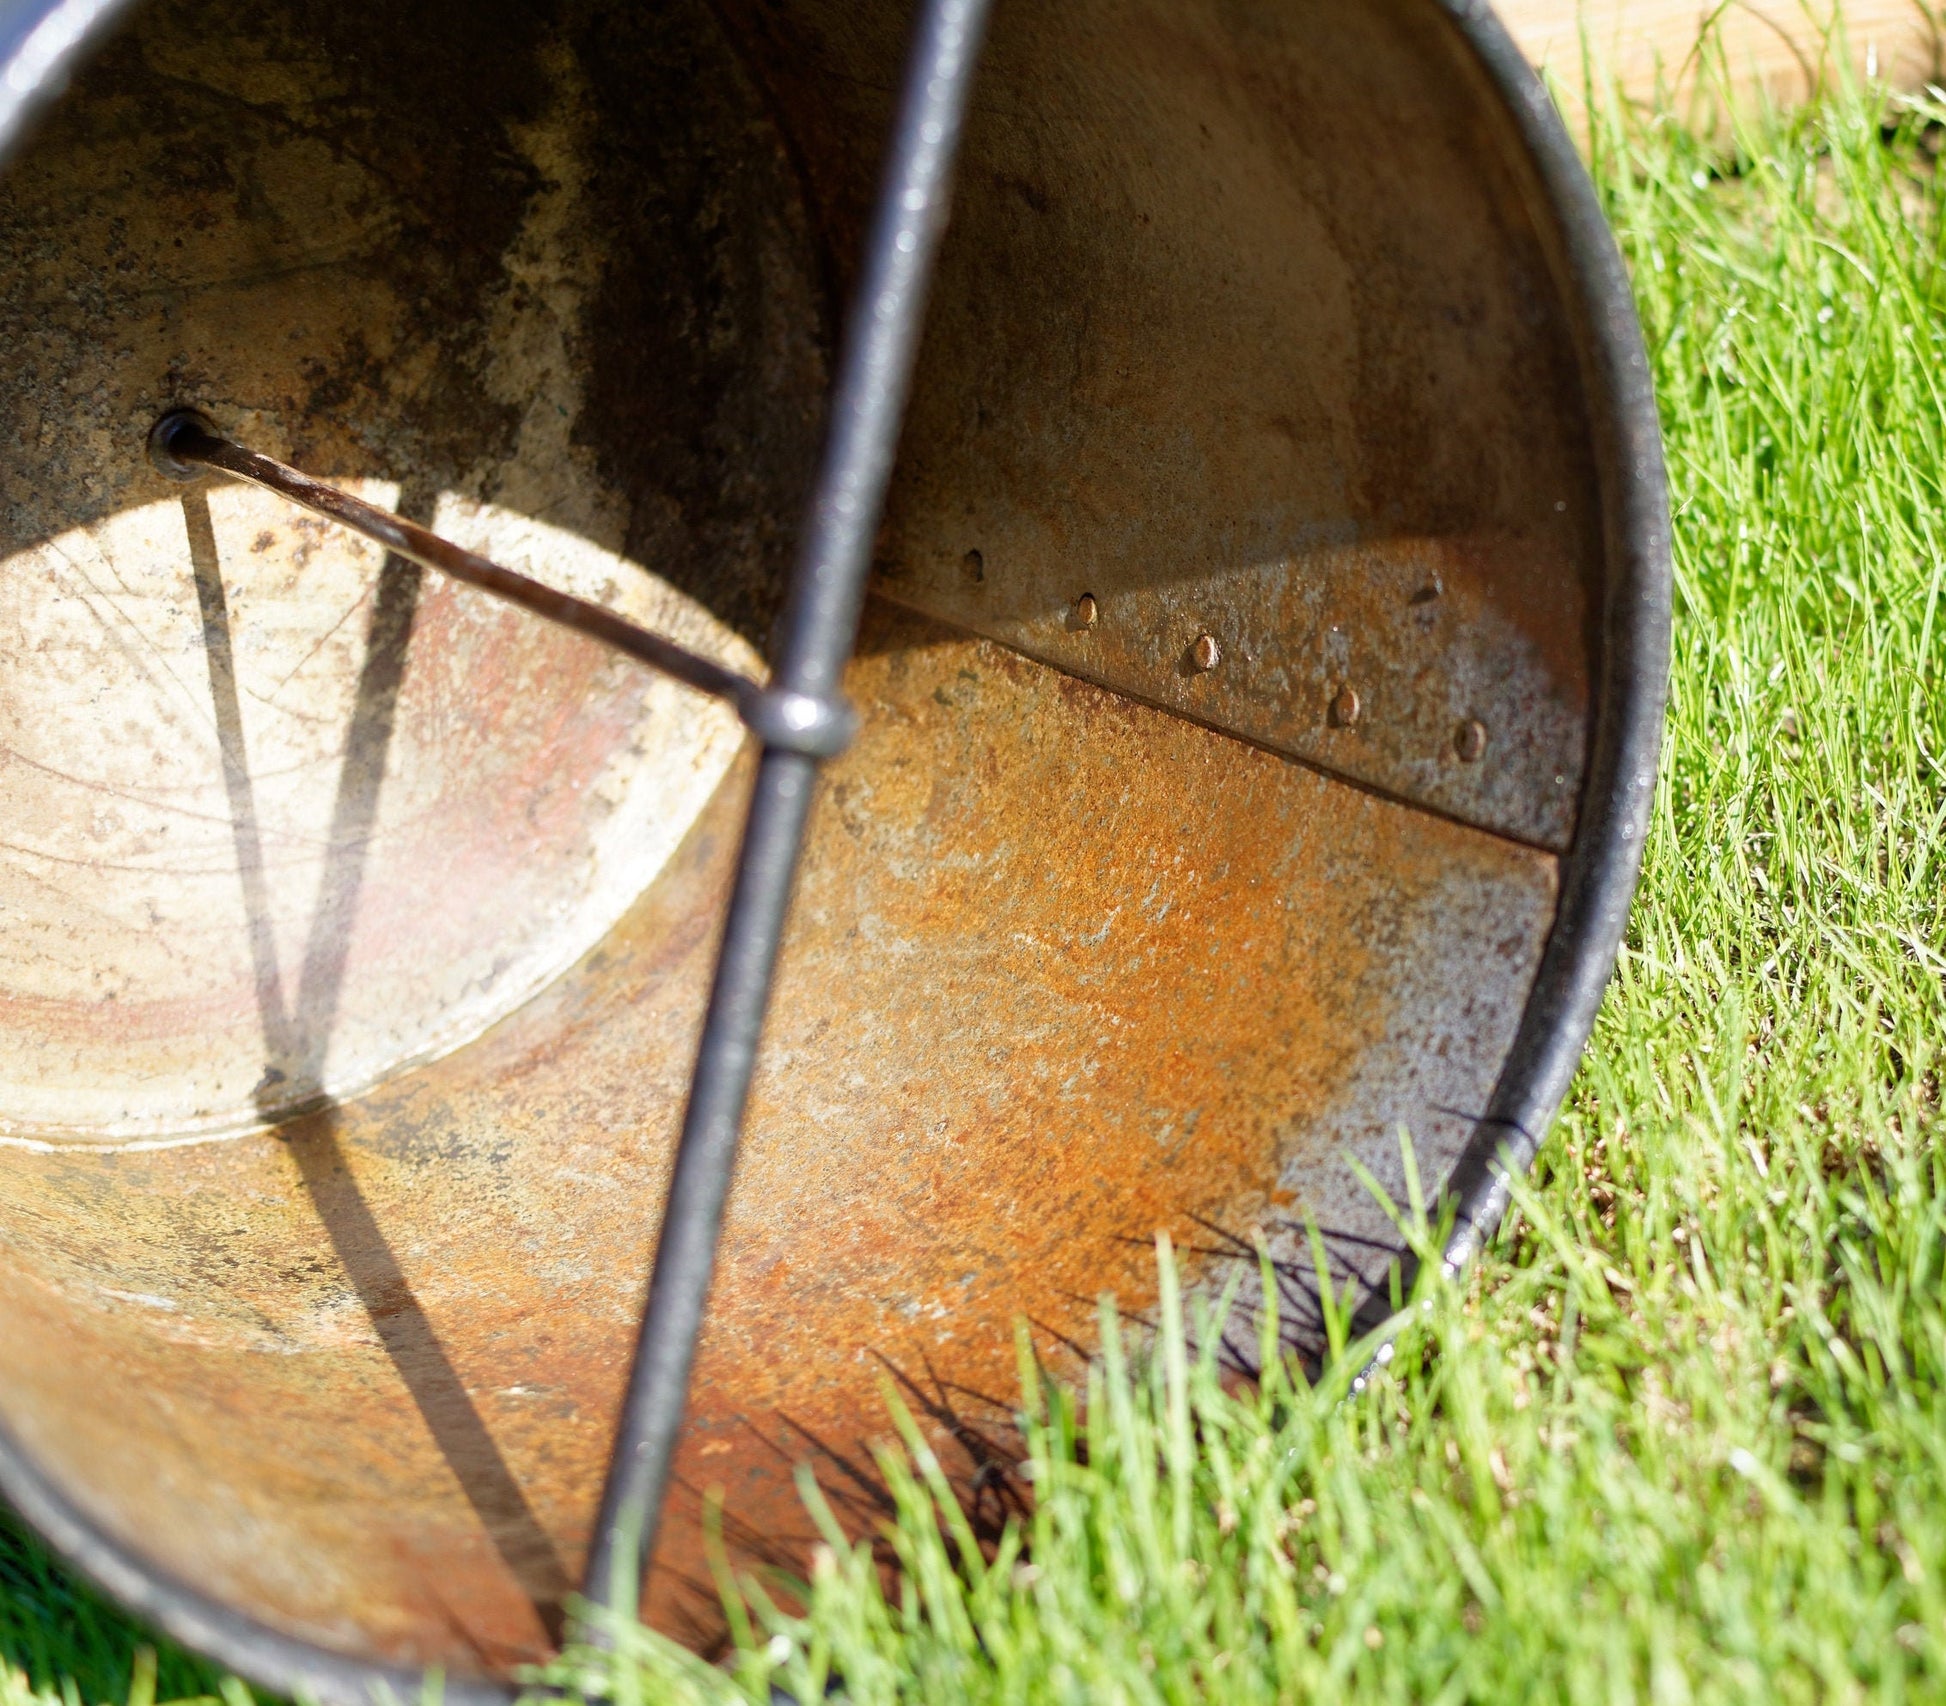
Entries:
{"x":1062,"y":971}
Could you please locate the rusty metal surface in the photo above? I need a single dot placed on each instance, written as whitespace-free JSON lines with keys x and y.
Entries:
{"x":235,"y":741}
{"x":1391,"y":661}
{"x":1062,"y":970}
{"x":1067,"y":964}
{"x":215,"y":882}
{"x":1245,"y":328}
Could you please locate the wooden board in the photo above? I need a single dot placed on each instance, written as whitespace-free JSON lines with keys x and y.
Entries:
{"x":1774,"y":47}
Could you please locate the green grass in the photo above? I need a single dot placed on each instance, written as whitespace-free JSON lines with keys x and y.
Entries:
{"x":1681,"y":1434}
{"x":58,"y":1637}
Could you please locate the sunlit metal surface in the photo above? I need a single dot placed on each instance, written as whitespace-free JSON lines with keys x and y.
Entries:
{"x":1277,"y":518}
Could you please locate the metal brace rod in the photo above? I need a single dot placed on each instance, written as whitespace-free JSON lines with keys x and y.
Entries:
{"x":800,"y":719}
{"x":820,"y":628}
{"x":185,"y":444}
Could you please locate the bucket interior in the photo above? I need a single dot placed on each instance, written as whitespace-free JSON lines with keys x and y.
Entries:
{"x":1227,"y":697}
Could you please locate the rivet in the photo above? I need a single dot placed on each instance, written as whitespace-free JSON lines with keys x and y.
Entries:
{"x":1345,"y":707}
{"x":974,"y":567}
{"x":1470,"y":740}
{"x":1086,"y":611}
{"x":1205,"y":654}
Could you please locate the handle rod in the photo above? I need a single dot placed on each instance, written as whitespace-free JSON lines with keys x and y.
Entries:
{"x":820,"y":627}
{"x":184,"y":444}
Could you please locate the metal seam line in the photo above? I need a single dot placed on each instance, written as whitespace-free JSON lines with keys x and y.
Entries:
{"x":820,"y":627}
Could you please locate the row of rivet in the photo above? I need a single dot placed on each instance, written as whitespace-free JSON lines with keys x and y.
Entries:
{"x":1469,"y":739}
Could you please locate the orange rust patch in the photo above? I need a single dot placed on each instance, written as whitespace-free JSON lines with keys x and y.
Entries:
{"x":1062,"y":970}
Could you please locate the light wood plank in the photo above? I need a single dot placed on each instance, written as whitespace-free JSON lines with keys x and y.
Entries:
{"x":1773,"y":46}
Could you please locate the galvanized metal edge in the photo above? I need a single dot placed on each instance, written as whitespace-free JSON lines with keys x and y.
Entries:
{"x":41,"y":41}
{"x":1600,"y":871}
{"x":273,"y":1660}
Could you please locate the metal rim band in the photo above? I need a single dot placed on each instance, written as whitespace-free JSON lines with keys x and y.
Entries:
{"x":1599,"y":872}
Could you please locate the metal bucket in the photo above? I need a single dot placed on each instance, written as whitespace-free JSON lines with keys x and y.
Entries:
{"x":1259,"y":697}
